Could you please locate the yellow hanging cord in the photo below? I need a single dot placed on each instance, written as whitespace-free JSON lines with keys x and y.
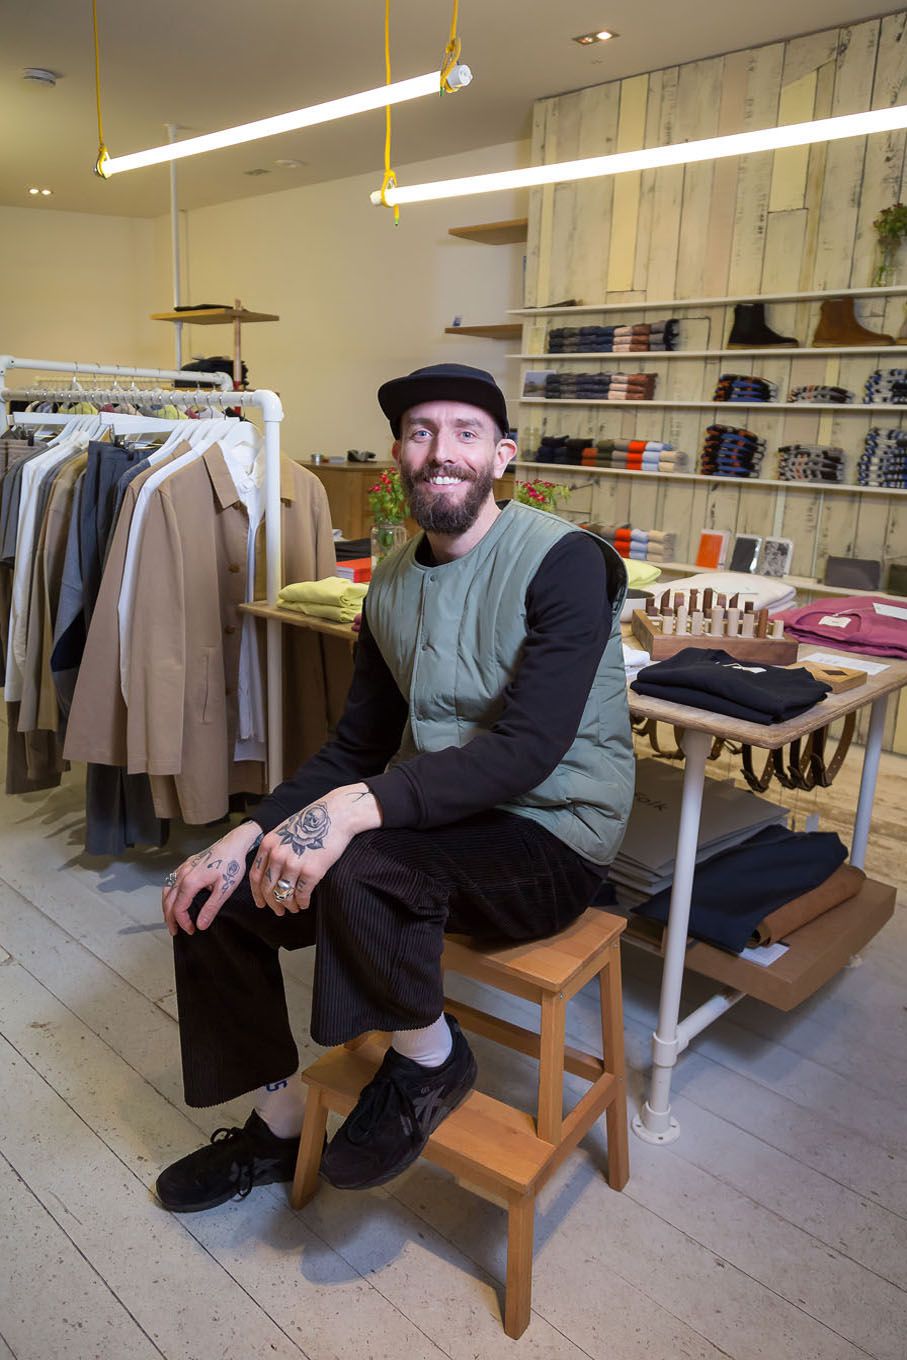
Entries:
{"x":100,"y":167}
{"x":451,"y":53}
{"x":390,"y":179}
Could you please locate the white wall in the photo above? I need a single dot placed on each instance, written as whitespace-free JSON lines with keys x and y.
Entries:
{"x":359,"y":300}
{"x":78,"y":286}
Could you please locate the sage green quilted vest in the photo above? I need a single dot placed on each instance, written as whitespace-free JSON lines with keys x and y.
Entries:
{"x":452,"y":636}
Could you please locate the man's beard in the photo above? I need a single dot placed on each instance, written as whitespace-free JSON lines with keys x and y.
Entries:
{"x":439,"y":513}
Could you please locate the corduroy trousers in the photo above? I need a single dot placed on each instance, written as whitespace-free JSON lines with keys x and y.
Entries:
{"x":377,"y":922}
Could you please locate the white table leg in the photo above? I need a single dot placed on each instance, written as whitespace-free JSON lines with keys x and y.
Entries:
{"x":655,"y":1124}
{"x":871,"y":754}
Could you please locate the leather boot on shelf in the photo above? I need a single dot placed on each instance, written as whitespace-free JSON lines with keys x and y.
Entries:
{"x":750,"y":330}
{"x":839,"y":326}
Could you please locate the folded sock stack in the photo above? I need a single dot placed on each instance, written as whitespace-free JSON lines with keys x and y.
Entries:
{"x":745,"y":388}
{"x":600,"y":386}
{"x":887,"y":386}
{"x":821,"y":392}
{"x":810,"y":463}
{"x":664,"y":335}
{"x":646,"y":455}
{"x":641,"y":545}
{"x":580,"y":339}
{"x":729,"y":451}
{"x":629,"y":339}
{"x":884,"y":459}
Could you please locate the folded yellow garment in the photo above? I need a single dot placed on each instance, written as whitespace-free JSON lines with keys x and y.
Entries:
{"x":333,"y":591}
{"x":335,"y":613}
{"x":640,"y":573}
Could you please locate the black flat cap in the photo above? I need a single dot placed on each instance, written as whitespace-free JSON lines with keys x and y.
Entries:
{"x":443,"y":382}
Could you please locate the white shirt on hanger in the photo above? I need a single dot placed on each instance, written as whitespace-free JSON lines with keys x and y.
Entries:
{"x":69,"y":443}
{"x":248,"y":476}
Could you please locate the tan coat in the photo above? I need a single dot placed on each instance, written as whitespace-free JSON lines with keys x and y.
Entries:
{"x":185,"y":639}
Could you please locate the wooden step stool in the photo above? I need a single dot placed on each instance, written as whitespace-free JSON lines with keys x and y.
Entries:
{"x":493,"y":1148}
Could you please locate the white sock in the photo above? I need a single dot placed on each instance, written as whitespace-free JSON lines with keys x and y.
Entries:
{"x":281,"y":1104}
{"x":429,"y":1046}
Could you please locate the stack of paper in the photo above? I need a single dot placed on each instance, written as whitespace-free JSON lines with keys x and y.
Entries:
{"x":645,"y":861}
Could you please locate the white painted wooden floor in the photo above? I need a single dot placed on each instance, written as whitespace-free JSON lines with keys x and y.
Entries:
{"x":774,"y":1229}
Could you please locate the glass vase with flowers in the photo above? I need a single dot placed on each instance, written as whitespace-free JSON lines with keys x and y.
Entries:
{"x":387,"y":502}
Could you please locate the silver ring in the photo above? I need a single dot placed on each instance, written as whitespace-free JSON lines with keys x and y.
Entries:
{"x":285,"y":885}
{"x":280,"y":896}
{"x":170,"y":880}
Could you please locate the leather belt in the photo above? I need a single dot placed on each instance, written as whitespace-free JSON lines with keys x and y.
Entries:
{"x":806,"y":766}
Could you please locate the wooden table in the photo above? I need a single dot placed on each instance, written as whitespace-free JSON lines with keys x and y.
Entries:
{"x":863,"y":917}
{"x":262,"y":610}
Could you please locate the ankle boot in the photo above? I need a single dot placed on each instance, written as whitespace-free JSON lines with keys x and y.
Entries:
{"x":750,"y":331}
{"x":839,"y":326}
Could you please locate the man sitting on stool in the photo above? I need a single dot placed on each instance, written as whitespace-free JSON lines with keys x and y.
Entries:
{"x":478,"y":782}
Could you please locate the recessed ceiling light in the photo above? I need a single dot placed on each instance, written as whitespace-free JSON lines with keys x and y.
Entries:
{"x":45,"y":193}
{"x":40,"y":75}
{"x":34,"y":191}
{"x":290,"y":164}
{"x":259,"y":170}
{"x":602,"y":35}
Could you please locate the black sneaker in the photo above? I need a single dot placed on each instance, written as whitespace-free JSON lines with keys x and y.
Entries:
{"x":395,"y":1114}
{"x":233,"y":1163}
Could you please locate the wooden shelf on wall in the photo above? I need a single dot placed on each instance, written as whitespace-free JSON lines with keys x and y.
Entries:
{"x":763,"y":352}
{"x":740,"y":483}
{"x":860,"y":408}
{"x":214,"y":316}
{"x":505,"y":331}
{"x":896,"y":290}
{"x":494,"y":233}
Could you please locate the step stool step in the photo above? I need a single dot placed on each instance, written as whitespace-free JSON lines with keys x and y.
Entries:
{"x":482,"y":1139}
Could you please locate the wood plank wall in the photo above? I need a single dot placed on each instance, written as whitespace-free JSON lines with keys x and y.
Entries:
{"x":786,"y":221}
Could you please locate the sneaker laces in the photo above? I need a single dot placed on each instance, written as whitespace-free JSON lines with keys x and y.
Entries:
{"x":228,"y":1139}
{"x":373,"y":1105}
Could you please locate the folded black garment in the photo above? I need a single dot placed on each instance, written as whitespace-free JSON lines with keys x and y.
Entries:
{"x":736,"y":889}
{"x":712,"y":679}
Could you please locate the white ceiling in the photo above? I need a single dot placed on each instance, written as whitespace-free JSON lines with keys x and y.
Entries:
{"x":206,"y":66}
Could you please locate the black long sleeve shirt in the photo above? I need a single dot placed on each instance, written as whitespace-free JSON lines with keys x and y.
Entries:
{"x":568,"y":620}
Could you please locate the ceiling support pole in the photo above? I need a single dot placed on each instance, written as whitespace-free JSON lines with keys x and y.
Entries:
{"x":175,"y":247}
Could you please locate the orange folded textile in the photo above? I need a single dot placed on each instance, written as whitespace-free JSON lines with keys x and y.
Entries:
{"x":844,"y":883}
{"x":636,"y":446}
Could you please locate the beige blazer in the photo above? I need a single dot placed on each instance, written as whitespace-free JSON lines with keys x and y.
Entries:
{"x":184,"y":663}
{"x":96,"y":728}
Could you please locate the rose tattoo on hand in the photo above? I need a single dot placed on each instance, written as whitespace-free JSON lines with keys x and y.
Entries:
{"x":306,"y":830}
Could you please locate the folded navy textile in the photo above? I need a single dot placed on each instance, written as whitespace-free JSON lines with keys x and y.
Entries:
{"x":712,"y":679}
{"x":738,"y":888}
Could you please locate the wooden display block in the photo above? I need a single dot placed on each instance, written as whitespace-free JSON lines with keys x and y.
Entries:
{"x":767,"y":651}
{"x":839,"y":678}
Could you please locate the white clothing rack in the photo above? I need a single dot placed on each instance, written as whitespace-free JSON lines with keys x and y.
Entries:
{"x":8,"y":361}
{"x":272,"y":414}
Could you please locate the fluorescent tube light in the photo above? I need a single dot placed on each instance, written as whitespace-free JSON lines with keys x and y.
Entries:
{"x":653,"y":158}
{"x":397,"y":93}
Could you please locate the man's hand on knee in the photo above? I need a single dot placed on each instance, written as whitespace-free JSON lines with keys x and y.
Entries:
{"x":219,"y":869}
{"x":294,"y":857}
